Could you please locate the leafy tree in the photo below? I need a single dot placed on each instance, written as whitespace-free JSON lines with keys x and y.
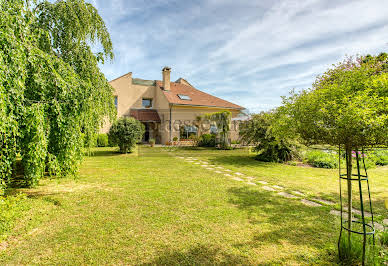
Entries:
{"x":51,"y":89}
{"x":346,"y":106}
{"x":126,"y":132}
{"x":258,"y":131}
{"x":222,"y":120}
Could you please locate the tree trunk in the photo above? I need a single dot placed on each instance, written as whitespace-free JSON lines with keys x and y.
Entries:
{"x":349,"y":181}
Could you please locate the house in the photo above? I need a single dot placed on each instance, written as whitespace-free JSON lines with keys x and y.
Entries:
{"x":169,"y":110}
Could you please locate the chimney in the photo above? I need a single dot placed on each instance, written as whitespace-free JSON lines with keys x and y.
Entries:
{"x":166,"y":78}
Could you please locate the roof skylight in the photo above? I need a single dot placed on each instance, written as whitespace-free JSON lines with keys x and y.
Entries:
{"x":184,"y":97}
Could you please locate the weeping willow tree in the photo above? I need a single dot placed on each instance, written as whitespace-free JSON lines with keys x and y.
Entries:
{"x":222,"y":120}
{"x":348,"y":107}
{"x":53,"y":96}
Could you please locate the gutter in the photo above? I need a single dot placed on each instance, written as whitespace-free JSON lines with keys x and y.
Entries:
{"x":170,"y":126}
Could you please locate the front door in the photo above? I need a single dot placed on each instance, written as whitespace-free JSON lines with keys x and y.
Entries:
{"x":146,"y":137}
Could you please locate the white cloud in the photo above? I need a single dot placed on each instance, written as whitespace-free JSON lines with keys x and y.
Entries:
{"x":259,"y":48}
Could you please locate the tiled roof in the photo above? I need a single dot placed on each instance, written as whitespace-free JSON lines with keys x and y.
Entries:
{"x":198,"y":98}
{"x":145,"y":115}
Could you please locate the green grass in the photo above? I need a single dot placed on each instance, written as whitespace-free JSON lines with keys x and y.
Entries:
{"x":151,"y":208}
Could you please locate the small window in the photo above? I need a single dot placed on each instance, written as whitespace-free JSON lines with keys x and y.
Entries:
{"x":116,"y":101}
{"x":147,"y":103}
{"x":184,"y":97}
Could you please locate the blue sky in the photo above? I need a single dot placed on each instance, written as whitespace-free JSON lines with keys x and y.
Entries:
{"x":248,"y":52}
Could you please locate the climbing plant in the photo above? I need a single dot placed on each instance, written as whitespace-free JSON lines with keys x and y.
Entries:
{"x":222,"y":120}
{"x":52,"y":93}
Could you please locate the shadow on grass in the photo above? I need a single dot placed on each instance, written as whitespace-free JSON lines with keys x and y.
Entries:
{"x":289,"y":220}
{"x":103,"y":153}
{"x":200,"y":255}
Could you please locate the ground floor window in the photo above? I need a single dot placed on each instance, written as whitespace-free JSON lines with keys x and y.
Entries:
{"x":187,"y":131}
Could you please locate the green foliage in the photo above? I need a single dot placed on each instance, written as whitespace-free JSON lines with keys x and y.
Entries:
{"x":175,"y":139}
{"x":351,"y":251}
{"x":33,"y":144}
{"x":207,"y":140}
{"x":322,"y":159}
{"x":347,"y":105}
{"x":222,"y":120}
{"x":194,"y":138}
{"x":102,"y":140}
{"x":126,"y":132}
{"x":381,"y":157}
{"x":259,"y":131}
{"x":52,"y":93}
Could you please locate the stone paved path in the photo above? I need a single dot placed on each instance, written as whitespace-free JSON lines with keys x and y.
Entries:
{"x":237,"y":176}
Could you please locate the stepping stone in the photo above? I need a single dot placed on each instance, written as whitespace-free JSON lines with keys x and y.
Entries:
{"x":209,"y":168}
{"x":298,"y":193}
{"x":327,"y":202}
{"x":237,"y":179}
{"x":385,"y":221}
{"x":227,"y":175}
{"x":366,"y":214}
{"x":227,"y":170}
{"x":205,"y":162}
{"x":237,"y":173}
{"x":379,"y":227}
{"x":196,"y":163}
{"x":310,"y":203}
{"x":268,"y":188}
{"x":218,"y":172}
{"x":278,"y":187}
{"x":249,"y":177}
{"x":219,"y":167}
{"x":251,"y":183}
{"x":262,"y":182}
{"x":204,"y":165}
{"x":287,"y":195}
{"x":338,"y":213}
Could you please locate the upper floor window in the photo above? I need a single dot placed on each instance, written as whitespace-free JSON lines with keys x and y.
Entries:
{"x":147,"y":103}
{"x":116,"y":101}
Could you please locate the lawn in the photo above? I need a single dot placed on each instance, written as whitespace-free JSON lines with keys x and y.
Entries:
{"x":153,"y":208}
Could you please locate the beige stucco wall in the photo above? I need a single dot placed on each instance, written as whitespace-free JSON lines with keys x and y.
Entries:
{"x":130,"y":96}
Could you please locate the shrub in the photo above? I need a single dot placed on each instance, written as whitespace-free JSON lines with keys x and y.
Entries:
{"x":102,"y":140}
{"x":194,"y":138}
{"x":321,"y":159}
{"x":207,"y":140}
{"x":152,"y":142}
{"x":125,"y":133}
{"x":271,"y":146}
{"x":273,"y":151}
{"x":175,"y":139}
{"x":381,"y":157}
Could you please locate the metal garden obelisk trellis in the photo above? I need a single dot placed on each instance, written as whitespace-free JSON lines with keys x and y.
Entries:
{"x":361,"y":179}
